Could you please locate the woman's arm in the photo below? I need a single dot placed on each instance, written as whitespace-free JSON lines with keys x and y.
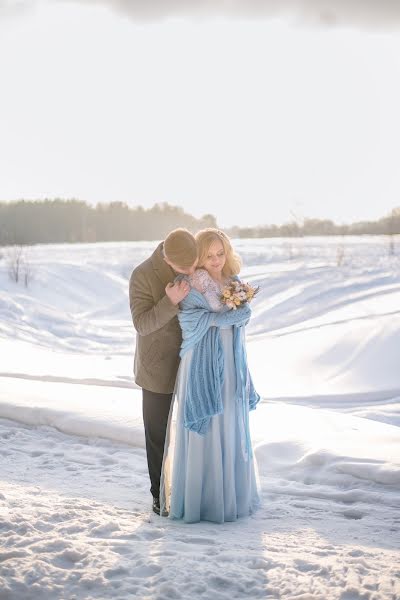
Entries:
{"x":199,"y":280}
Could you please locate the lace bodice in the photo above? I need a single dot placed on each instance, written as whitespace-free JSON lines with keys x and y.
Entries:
{"x":204,"y":283}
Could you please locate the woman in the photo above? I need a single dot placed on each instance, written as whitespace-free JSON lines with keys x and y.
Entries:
{"x":209,"y":471}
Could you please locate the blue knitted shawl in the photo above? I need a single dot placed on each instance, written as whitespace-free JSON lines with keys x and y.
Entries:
{"x":203,"y":395}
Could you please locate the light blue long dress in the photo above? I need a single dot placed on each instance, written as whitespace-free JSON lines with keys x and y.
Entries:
{"x":207,"y":477}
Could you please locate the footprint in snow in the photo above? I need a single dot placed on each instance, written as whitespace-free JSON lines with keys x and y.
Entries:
{"x":353,"y":514}
{"x":197,"y":540}
{"x":151,"y":535}
{"x":145,"y":570}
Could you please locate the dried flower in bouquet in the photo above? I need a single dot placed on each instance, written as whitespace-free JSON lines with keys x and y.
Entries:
{"x":237,"y":293}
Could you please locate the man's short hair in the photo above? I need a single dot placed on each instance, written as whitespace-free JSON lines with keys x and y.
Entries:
{"x":180,"y":248}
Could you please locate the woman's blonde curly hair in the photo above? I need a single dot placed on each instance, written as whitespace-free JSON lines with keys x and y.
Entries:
{"x":204,"y":239}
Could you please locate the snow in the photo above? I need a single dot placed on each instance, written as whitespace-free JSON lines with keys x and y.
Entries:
{"x":323,"y":346}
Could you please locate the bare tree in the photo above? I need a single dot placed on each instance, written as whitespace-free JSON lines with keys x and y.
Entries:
{"x":27,"y":271}
{"x":15,"y":258}
{"x":340,"y":254}
{"x":19,"y":267}
{"x":393,"y":223}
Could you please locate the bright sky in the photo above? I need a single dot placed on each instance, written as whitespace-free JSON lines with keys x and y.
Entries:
{"x":252,"y":120}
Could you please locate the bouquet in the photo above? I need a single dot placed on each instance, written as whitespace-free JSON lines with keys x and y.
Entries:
{"x":236,"y":294}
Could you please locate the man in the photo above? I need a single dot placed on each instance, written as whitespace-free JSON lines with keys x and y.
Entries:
{"x":154,"y":300}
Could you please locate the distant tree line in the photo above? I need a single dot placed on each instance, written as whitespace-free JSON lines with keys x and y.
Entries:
{"x":388,"y":225}
{"x":60,"y":221}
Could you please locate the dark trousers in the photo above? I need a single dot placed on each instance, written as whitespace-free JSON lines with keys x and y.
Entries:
{"x":155,"y":418}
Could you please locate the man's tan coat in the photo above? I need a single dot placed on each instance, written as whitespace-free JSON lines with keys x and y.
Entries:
{"x":158,"y":337}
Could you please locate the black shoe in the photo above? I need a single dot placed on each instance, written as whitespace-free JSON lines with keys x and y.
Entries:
{"x":157,"y":509}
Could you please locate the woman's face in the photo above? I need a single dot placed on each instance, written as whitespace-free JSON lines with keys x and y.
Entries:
{"x":215,"y":258}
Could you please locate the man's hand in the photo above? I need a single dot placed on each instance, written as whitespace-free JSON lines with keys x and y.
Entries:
{"x":176,"y":292}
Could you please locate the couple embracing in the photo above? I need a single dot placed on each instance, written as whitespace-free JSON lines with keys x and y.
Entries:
{"x":191,"y":364}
